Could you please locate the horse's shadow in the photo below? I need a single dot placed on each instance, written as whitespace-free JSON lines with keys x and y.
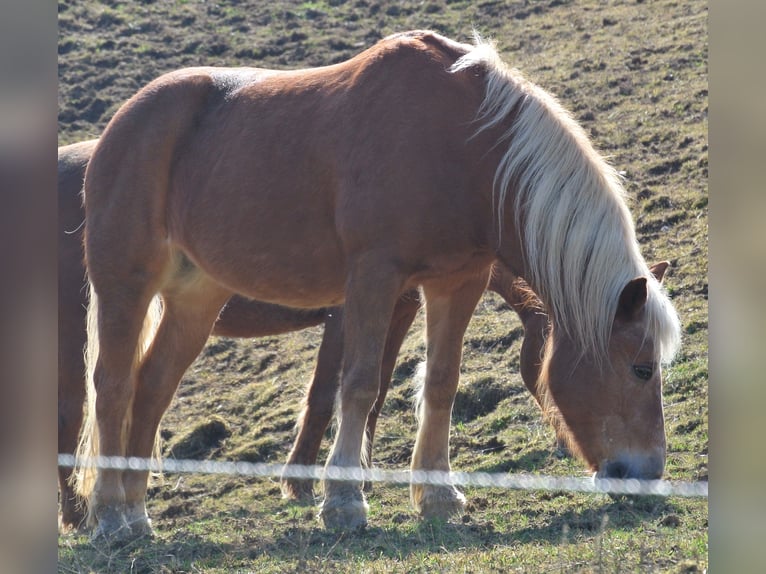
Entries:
{"x":469,"y":531}
{"x":528,"y":461}
{"x":300,"y":541}
{"x":143,"y":555}
{"x":623,"y":512}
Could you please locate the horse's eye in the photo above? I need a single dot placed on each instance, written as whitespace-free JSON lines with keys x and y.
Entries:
{"x":643,"y":372}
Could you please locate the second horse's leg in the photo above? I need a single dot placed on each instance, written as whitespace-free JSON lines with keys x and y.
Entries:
{"x":318,"y":408}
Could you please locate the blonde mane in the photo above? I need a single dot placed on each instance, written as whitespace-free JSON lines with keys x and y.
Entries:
{"x":578,"y":239}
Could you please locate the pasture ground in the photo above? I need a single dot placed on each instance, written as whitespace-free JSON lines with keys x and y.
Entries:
{"x":634,"y":73}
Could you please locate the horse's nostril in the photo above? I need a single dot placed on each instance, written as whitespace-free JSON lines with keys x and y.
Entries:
{"x":627,"y":467}
{"x":616,"y":469}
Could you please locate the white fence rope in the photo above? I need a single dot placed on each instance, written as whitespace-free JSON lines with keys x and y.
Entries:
{"x":430,"y":477}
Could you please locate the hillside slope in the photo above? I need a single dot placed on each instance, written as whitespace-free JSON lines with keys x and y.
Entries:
{"x":634,"y":74}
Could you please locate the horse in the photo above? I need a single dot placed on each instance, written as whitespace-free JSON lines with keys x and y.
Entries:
{"x":417,"y":163}
{"x":242,"y":317}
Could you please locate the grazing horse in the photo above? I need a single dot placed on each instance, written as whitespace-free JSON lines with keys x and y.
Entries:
{"x":419,"y":162}
{"x":244,"y":318}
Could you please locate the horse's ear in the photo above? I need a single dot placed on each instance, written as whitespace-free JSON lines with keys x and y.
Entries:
{"x":632,"y":298}
{"x":658,"y":270}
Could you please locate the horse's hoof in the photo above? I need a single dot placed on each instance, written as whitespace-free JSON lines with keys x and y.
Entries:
{"x":440,"y":502}
{"x":141,"y":528}
{"x":72,"y":515}
{"x":116,"y":527}
{"x":138,"y":520}
{"x":111,"y":527}
{"x":344,"y":511}
{"x":298,"y":490}
{"x":561,"y":449}
{"x":71,"y":520}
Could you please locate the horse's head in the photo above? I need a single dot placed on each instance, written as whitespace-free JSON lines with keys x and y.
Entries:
{"x":610,"y":411}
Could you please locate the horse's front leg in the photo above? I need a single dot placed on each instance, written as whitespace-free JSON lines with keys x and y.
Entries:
{"x":371,"y":293}
{"x":447,"y":315}
{"x":406,"y":309}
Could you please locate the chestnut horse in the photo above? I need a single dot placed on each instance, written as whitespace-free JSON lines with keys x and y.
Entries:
{"x":418,"y":162}
{"x":243,"y":318}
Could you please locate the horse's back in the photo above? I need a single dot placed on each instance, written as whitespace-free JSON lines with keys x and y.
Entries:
{"x":317,"y":165}
{"x":73,"y":158}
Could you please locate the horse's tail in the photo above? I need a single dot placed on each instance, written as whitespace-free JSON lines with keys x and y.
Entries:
{"x":88,"y":444}
{"x":418,"y":402}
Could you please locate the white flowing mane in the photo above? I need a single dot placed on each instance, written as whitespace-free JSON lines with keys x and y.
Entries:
{"x":578,"y":238}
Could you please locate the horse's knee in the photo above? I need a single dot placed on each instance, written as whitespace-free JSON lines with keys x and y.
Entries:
{"x":440,"y":388}
{"x":360,"y":388}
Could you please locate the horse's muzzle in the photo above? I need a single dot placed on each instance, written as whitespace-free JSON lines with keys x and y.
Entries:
{"x":630,"y":465}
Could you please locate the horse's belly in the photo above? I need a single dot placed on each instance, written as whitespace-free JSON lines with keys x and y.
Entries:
{"x":274,"y":259}
{"x":297,"y":282}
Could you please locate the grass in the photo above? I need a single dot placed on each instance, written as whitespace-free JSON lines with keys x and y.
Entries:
{"x":635,"y":75}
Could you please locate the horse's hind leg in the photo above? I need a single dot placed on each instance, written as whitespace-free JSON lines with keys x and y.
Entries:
{"x":189,"y":310}
{"x":121,"y":314}
{"x":71,"y":386}
{"x":447,"y":316}
{"x":319,"y":406}
{"x":72,"y":337}
{"x":71,"y":397}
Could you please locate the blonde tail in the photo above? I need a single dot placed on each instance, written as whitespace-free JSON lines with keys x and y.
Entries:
{"x":419,"y":379}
